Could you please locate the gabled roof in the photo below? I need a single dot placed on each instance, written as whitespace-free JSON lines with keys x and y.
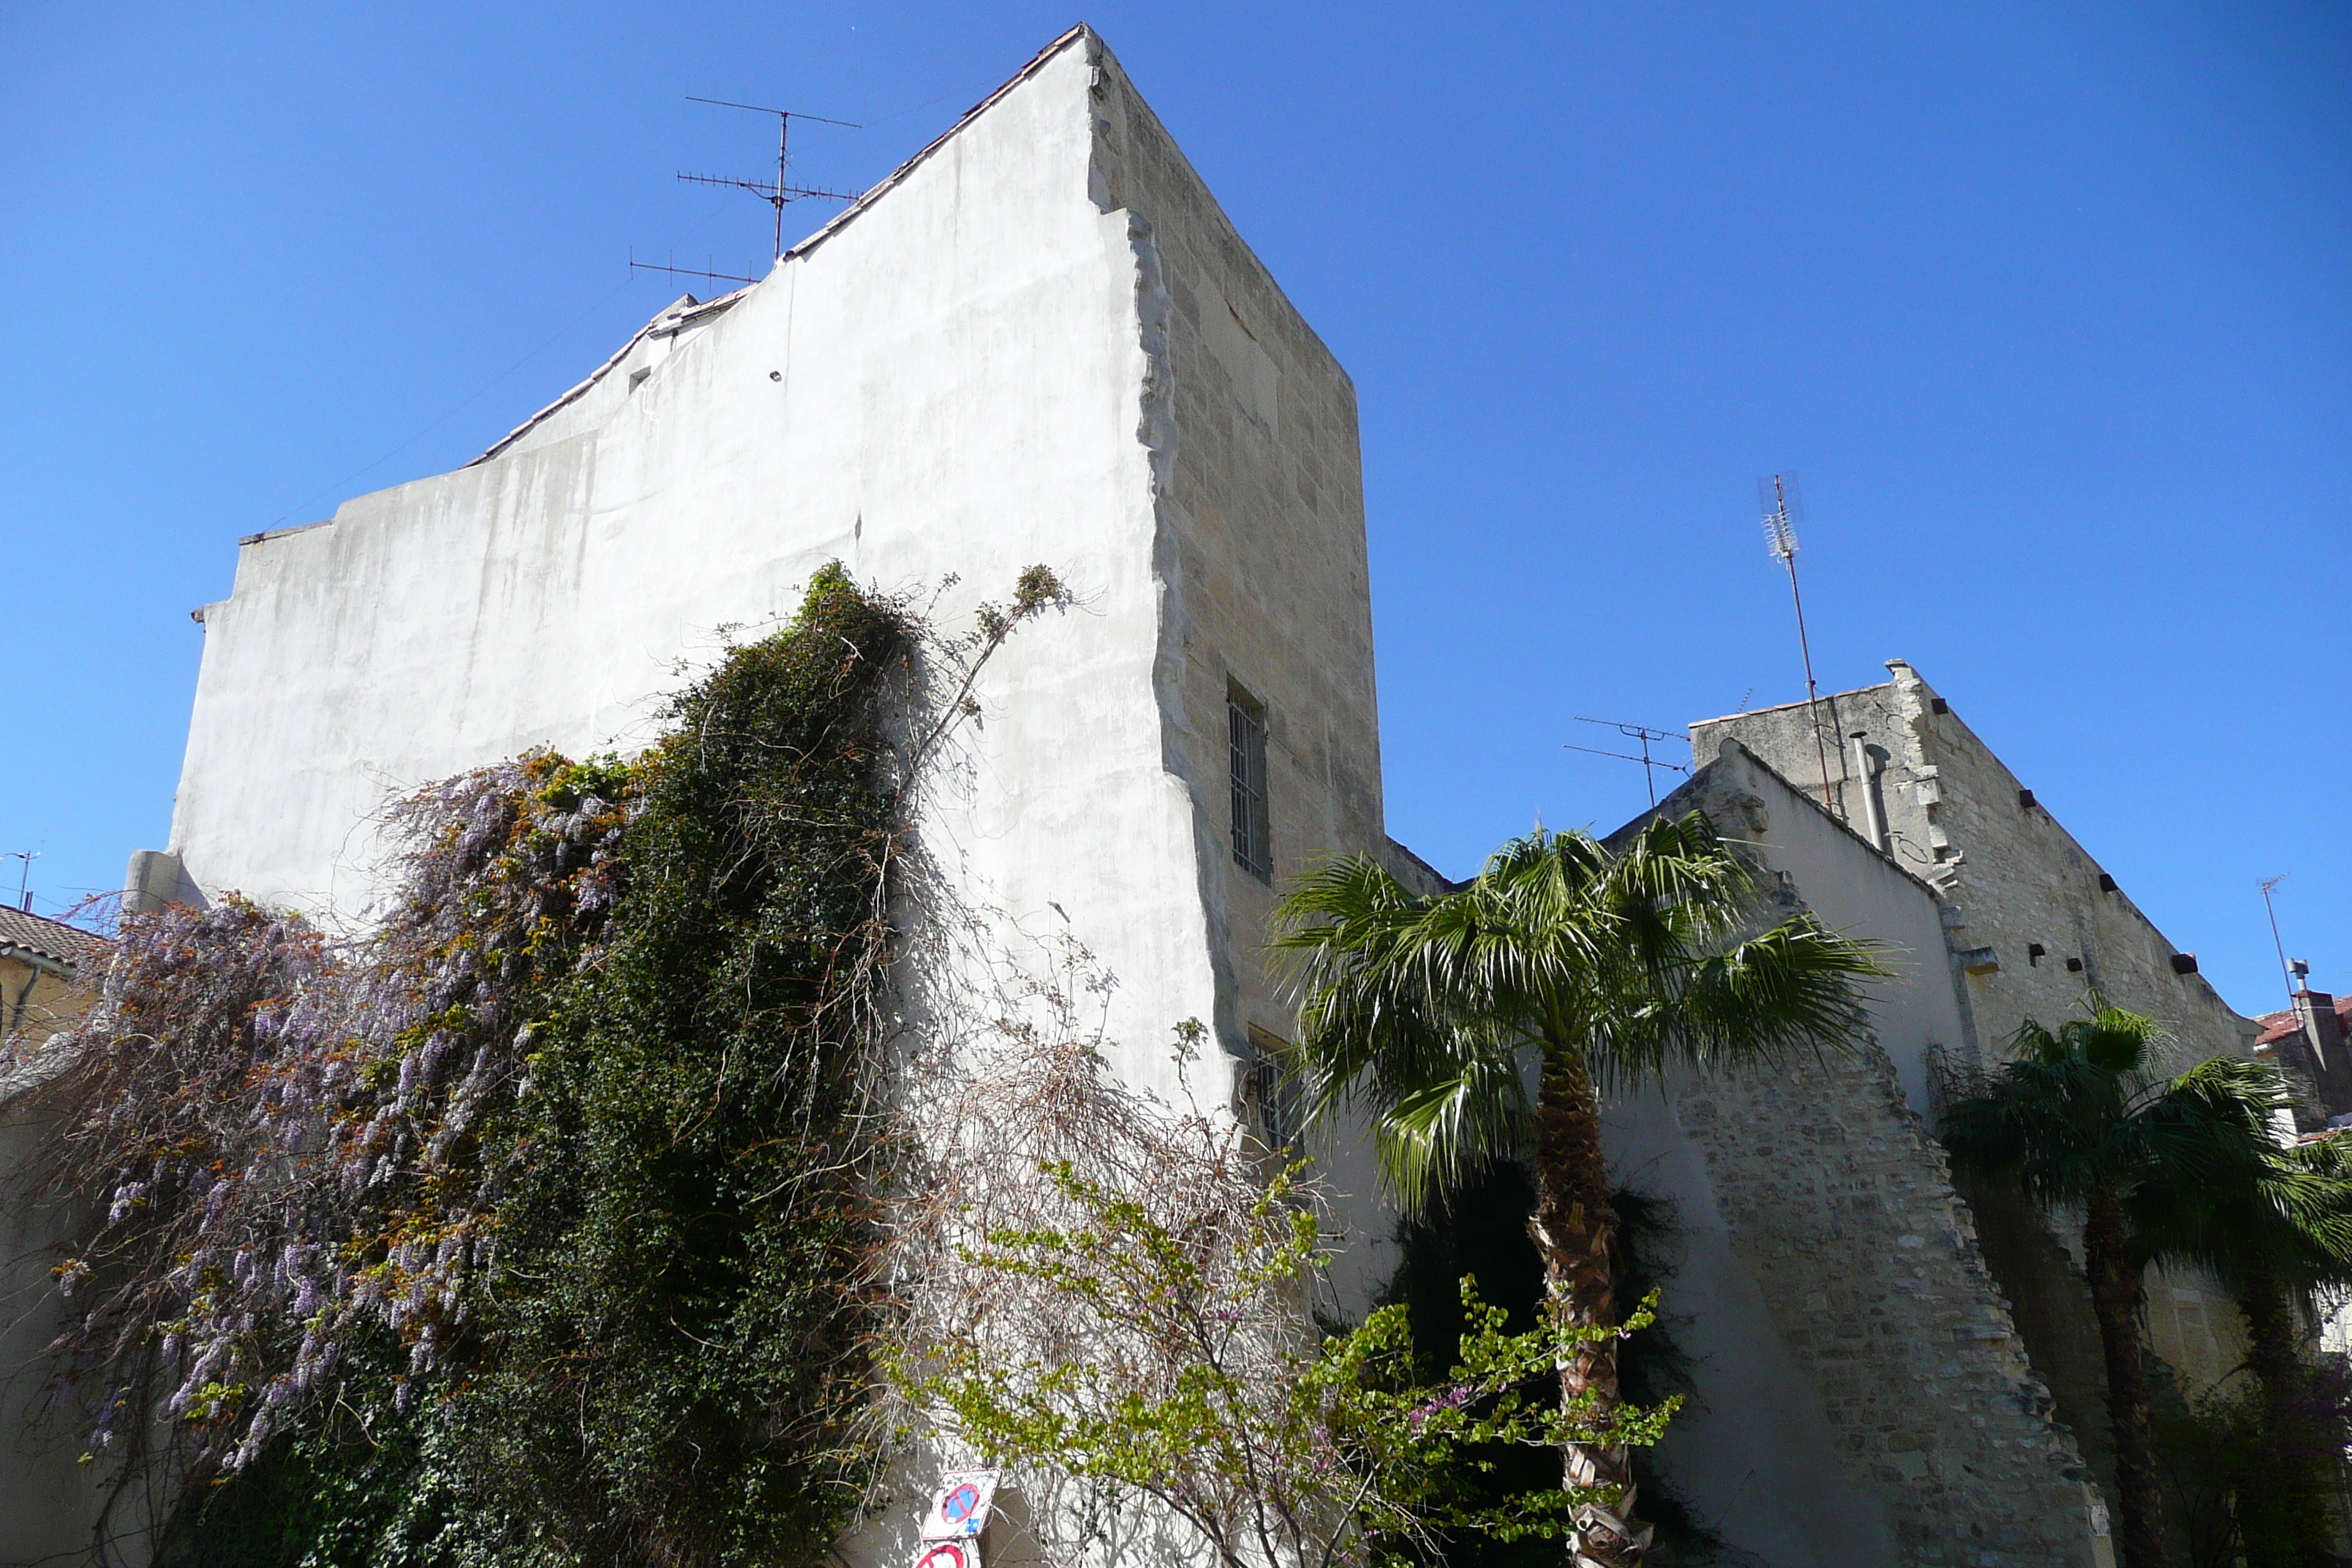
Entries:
{"x":682,"y":311}
{"x":687,"y":309}
{"x":52,"y":940}
{"x":1682,"y":795}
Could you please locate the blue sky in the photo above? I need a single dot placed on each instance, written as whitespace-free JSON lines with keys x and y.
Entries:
{"x":2049,"y":305}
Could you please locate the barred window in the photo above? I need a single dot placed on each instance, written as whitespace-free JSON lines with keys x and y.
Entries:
{"x":1270,"y":1095}
{"x":1253,"y":828}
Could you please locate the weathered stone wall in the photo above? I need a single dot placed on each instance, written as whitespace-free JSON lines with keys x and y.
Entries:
{"x":1837,"y":1210}
{"x":1258,"y":493}
{"x":47,"y":1497}
{"x":2010,"y":878}
{"x":1839,"y":1205}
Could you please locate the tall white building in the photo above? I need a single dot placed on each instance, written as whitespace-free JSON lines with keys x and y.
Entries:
{"x":1040,"y":341}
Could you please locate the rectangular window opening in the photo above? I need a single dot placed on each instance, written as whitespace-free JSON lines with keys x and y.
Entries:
{"x":1253,"y":823}
{"x":1270,"y":1095}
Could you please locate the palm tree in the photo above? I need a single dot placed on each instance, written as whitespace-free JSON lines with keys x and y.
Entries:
{"x":2079,"y":1118}
{"x":1604,"y":968}
{"x":2275,"y":1229}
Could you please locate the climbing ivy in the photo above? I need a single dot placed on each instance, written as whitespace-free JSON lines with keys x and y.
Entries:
{"x":538,"y":1226}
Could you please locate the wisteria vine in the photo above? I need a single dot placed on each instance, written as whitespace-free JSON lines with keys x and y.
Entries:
{"x":294,"y":1134}
{"x":539,"y":1217}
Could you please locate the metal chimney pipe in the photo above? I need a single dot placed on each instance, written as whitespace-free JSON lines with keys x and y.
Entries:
{"x":1867,"y":768}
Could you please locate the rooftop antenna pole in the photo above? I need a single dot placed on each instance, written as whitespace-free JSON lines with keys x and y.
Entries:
{"x":783,"y":161}
{"x":1783,"y":507}
{"x":1644,"y":735}
{"x":777,"y":193}
{"x":24,"y":882}
{"x":2270,"y":885}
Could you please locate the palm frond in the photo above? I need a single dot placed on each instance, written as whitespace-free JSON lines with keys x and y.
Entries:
{"x":2194,"y":1160}
{"x":2113,"y":1039}
{"x":1628,"y":961}
{"x":2045,"y":1119}
{"x":1434,"y":1136}
{"x":2222,"y":1191}
{"x":1786,"y":990}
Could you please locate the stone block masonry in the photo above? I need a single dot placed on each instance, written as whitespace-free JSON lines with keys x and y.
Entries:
{"x":2041,"y":923}
{"x":2034,"y":927}
{"x":1840,"y":1205}
{"x":1820,"y":1182}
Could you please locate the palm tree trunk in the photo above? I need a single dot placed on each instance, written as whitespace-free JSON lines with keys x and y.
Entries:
{"x":1573,"y":1228}
{"x":2296,"y":1504}
{"x":2114,"y":1279}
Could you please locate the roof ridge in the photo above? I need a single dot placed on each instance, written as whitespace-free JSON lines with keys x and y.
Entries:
{"x":686,"y":309}
{"x":51,"y":939}
{"x":1801,"y":703}
{"x":866,"y":196}
{"x":678,"y":311}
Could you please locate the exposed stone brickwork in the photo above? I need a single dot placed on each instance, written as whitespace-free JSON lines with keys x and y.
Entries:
{"x":1259,"y":490}
{"x":2013,"y":881}
{"x":1841,"y":1207}
{"x":2011,"y":877}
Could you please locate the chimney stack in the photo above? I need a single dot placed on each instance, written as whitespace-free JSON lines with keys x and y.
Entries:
{"x":2323,"y":1027}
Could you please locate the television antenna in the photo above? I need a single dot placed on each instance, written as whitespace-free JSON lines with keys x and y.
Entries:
{"x":1643,"y":735}
{"x":778,"y":193}
{"x":674,"y":270}
{"x":1784,"y":508}
{"x":25,"y":881}
{"x":2269,"y":886}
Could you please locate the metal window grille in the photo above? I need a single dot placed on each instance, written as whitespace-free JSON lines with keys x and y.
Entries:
{"x":1253,"y":829}
{"x":1271,"y":1095}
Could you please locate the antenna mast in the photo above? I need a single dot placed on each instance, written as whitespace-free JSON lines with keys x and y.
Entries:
{"x":776,"y":192}
{"x":2270,"y":885}
{"x":24,"y":882}
{"x":1782,"y":507}
{"x":1644,"y":735}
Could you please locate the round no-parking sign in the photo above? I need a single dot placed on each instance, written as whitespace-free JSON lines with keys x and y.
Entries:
{"x":960,"y":1507}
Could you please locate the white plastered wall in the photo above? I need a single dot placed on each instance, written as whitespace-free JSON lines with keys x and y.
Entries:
{"x":990,"y":362}
{"x":949,"y":383}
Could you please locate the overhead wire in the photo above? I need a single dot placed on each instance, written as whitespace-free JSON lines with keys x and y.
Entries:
{"x":470,"y":398}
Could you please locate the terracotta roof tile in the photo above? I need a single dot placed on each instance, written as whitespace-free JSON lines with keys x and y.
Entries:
{"x":52,"y":940}
{"x":2277,"y":1026}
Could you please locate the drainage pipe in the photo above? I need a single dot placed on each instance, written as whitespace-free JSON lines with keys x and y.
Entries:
{"x":1868,"y":767}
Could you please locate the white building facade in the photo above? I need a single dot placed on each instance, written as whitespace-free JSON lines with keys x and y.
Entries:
{"x":1041,"y":341}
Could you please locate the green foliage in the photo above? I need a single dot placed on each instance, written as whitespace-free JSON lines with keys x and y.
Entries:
{"x":1597,"y":963}
{"x":2080,"y":1112}
{"x":362,"y":1483}
{"x":1203,"y":1389}
{"x":2238,"y":1493}
{"x":1483,"y":1231}
{"x":2184,"y":1169}
{"x":1625,"y":960}
{"x":666,"y":1359}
